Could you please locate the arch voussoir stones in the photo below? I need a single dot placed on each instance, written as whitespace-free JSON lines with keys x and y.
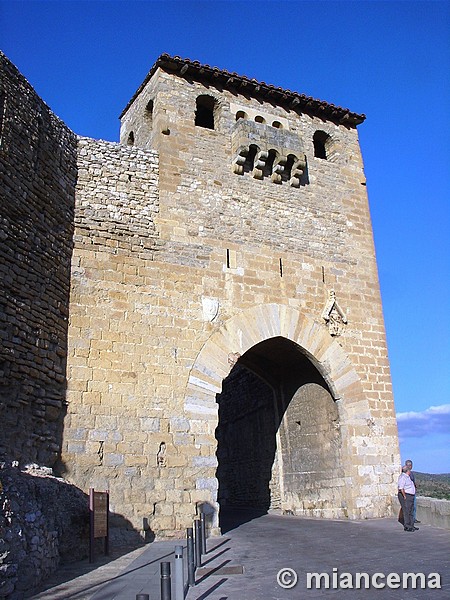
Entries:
{"x":260,"y":323}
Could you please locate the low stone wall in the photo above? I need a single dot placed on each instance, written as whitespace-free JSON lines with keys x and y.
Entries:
{"x":432,"y":511}
{"x":44,"y":521}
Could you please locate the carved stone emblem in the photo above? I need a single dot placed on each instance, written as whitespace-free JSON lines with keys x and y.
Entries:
{"x":210,"y":308}
{"x":334,"y":315}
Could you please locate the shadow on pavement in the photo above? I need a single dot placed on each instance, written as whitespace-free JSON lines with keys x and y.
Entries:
{"x":232,"y":518}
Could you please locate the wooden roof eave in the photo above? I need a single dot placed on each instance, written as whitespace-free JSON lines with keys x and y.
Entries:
{"x":286,"y":98}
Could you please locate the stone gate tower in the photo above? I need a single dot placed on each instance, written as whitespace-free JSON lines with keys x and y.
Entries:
{"x":226,"y":344}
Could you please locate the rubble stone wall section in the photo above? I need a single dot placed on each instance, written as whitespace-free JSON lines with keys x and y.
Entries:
{"x":44,"y":521}
{"x":117,"y":198}
{"x":37,"y":180}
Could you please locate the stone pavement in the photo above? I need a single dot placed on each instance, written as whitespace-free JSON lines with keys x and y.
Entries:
{"x":244,"y":562}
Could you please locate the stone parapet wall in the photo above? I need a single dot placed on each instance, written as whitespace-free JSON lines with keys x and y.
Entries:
{"x":37,"y":180}
{"x":432,"y":511}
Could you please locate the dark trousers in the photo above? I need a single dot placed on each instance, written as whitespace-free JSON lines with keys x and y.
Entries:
{"x":407,"y":505}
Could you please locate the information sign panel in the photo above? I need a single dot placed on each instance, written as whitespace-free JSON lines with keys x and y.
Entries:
{"x":99,"y":514}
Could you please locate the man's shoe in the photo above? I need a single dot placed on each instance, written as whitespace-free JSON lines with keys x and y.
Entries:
{"x":416,"y":528}
{"x":416,"y":521}
{"x":410,"y":529}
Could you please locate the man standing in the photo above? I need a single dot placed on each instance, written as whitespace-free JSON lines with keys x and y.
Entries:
{"x":406,"y":493}
{"x":409,"y":464}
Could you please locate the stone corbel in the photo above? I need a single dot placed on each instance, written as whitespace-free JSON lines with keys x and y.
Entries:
{"x":334,"y":315}
{"x":278,"y":168}
{"x":260,"y":161}
{"x":239,"y":160}
{"x":298,"y":168}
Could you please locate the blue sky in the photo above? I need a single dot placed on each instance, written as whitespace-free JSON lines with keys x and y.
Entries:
{"x":389,"y":60}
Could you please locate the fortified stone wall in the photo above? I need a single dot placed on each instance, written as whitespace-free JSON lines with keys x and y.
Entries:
{"x":111,"y":362}
{"x":226,"y":254}
{"x":37,"y":179}
{"x":193,"y":250}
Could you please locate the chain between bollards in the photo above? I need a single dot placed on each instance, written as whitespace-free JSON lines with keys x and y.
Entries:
{"x":166,"y":581}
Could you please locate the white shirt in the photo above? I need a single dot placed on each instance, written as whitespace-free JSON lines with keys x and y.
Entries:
{"x":405,"y":483}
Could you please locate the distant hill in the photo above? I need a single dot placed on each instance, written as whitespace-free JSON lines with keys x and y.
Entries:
{"x":435,"y":486}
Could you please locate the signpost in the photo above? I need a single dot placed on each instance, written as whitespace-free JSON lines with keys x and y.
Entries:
{"x":99,"y":520}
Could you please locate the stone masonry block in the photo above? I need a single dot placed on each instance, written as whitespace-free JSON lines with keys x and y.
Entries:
{"x":178,"y":424}
{"x":113,"y":460}
{"x":150,"y":424}
{"x":204,"y":483}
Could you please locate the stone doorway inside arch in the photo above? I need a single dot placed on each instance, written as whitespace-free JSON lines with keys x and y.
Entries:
{"x":278,"y":436}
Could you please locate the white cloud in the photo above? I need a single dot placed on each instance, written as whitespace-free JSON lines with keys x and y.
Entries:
{"x":433,"y":420}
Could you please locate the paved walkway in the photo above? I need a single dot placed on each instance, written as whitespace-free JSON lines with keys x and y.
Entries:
{"x":244,"y":562}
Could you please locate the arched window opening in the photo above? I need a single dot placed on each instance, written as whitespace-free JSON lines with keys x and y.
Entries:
{"x":321,"y":142}
{"x":277,"y":125}
{"x":149,"y":112}
{"x":205,"y":112}
{"x":130,"y":140}
{"x":250,"y":159}
{"x":241,"y":115}
{"x":259,"y":119}
{"x":149,"y":109}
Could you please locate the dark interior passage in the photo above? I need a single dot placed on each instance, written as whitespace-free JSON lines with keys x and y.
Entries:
{"x":246,"y":440}
{"x":273,"y":387}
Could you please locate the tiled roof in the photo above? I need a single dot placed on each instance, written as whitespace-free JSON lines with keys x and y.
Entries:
{"x":185,"y":67}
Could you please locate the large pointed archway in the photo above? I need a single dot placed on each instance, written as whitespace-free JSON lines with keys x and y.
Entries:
{"x":278,"y":436}
{"x":297,"y":366}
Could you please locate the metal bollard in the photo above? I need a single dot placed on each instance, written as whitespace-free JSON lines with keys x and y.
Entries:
{"x":179,"y":573}
{"x":198,"y":543}
{"x":203,"y":524}
{"x":166,"y":581}
{"x":190,"y":556}
{"x":142,"y":597}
